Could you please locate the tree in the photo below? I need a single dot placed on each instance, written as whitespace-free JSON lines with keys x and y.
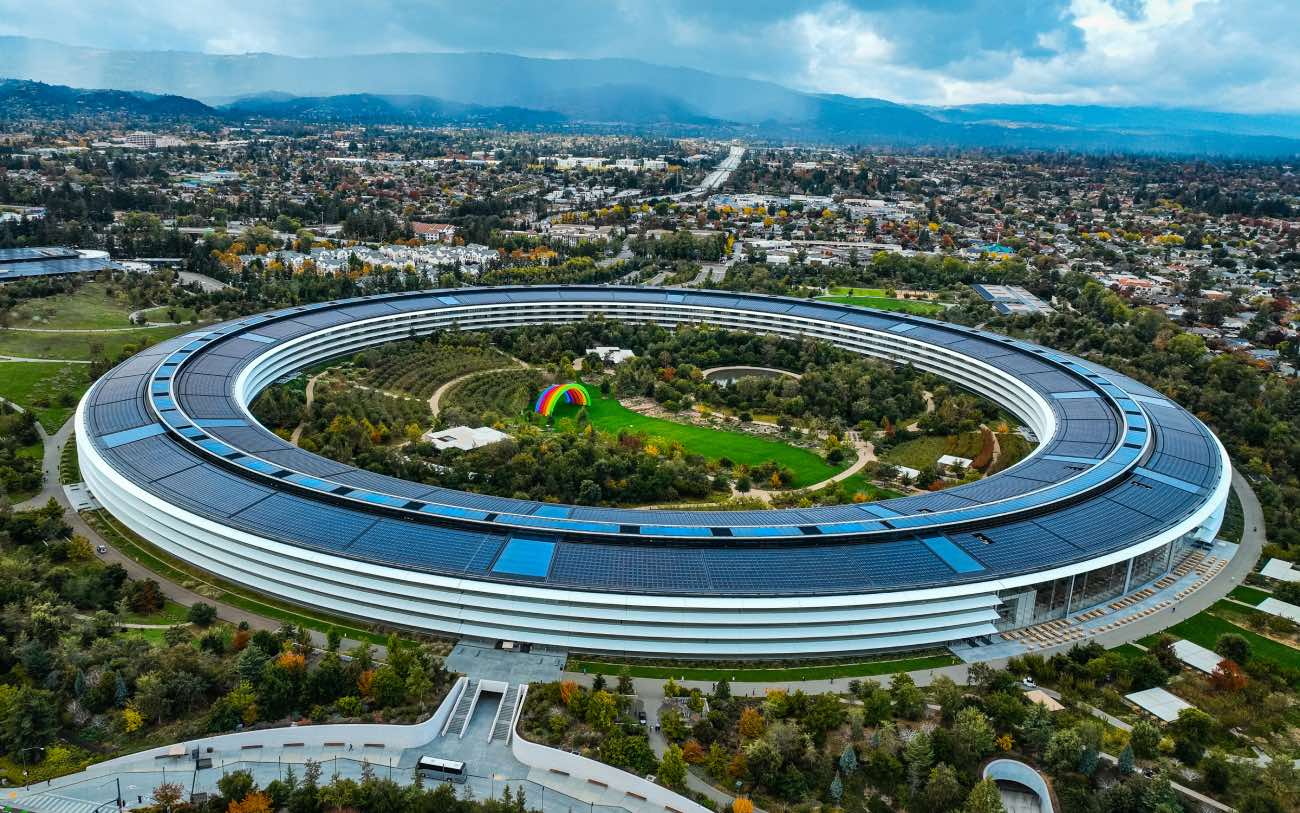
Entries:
{"x":1191,"y":733}
{"x":984,"y":798}
{"x":625,"y":681}
{"x":602,"y":709}
{"x":824,"y":713}
{"x":201,"y":614}
{"x":942,"y":792}
{"x":1228,"y":677}
{"x":919,"y":756}
{"x":909,"y":701}
{"x":1127,"y":764}
{"x":256,"y":802}
{"x":29,"y":718}
{"x":973,"y":735}
{"x":387,"y":688}
{"x":168,"y":794}
{"x":837,"y":788}
{"x":1064,"y":751}
{"x":948,"y":695}
{"x":848,"y":760}
{"x":672,"y":768}
{"x":751,"y":723}
{"x":1144,"y":738}
{"x":176,"y":635}
{"x":1234,"y":647}
{"x":742,"y":804}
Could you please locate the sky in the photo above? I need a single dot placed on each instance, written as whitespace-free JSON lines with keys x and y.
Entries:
{"x":1238,"y":55}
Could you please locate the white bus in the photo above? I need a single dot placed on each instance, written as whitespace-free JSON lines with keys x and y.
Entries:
{"x":446,"y":770}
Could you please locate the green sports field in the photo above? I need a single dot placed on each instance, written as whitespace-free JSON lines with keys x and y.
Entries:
{"x":608,"y":415}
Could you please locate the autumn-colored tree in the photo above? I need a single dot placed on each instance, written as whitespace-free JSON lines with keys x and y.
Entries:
{"x":168,"y":794}
{"x":365,"y":681}
{"x":693,"y":752}
{"x":132,"y":720}
{"x":1228,"y":677}
{"x":255,"y":802}
{"x":751,"y":724}
{"x":742,"y":804}
{"x":291,"y":662}
{"x":568,"y":691}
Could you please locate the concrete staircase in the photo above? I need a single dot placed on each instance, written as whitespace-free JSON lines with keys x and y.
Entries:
{"x":501,"y":729}
{"x":464,"y":707}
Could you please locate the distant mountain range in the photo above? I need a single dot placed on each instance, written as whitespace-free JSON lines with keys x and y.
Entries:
{"x":486,"y":89}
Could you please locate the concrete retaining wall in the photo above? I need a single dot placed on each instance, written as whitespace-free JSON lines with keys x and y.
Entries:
{"x":275,"y":743}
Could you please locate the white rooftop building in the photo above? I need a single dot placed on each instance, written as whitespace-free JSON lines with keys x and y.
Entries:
{"x":611,"y":355}
{"x":464,"y":438}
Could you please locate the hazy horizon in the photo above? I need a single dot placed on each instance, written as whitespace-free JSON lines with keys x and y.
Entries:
{"x":1150,"y":53}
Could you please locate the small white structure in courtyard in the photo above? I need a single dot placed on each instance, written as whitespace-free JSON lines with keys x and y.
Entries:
{"x":952,"y":461}
{"x":612,"y":355}
{"x":463,"y":437}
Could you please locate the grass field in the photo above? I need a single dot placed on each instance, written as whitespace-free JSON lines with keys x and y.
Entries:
{"x":886,"y":304}
{"x":89,"y":307}
{"x":78,"y":345}
{"x":171,"y":613}
{"x":879,"y":293}
{"x":608,"y":415}
{"x":856,"y":483}
{"x":748,"y":675}
{"x":1250,"y":595}
{"x":49,"y":389}
{"x":163,"y":313}
{"x":1206,"y":627}
{"x":917,"y":453}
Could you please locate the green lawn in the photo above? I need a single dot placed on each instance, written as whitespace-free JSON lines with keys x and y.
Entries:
{"x":879,"y":293}
{"x":161,"y":314}
{"x":49,"y":389}
{"x":608,"y":415}
{"x":886,"y":304}
{"x":171,"y":613}
{"x":917,"y":453}
{"x":153,"y":636}
{"x":1205,"y":628}
{"x":855,"y":483}
{"x":1127,"y":651}
{"x":89,"y":307}
{"x":75,"y":345}
{"x":745,"y":675}
{"x":1250,"y":595}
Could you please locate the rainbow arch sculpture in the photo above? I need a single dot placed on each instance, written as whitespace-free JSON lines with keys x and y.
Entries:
{"x":573,"y":393}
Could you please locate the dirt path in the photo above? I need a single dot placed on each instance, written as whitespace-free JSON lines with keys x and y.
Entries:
{"x":311,"y":395}
{"x":997,"y":447}
{"x":435,"y":400}
{"x":928,"y":397}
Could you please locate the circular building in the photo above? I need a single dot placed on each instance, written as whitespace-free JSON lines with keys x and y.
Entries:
{"x":1123,"y":485}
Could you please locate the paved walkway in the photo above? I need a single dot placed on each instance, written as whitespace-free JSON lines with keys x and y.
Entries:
{"x":43,"y":361}
{"x":52,"y":452}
